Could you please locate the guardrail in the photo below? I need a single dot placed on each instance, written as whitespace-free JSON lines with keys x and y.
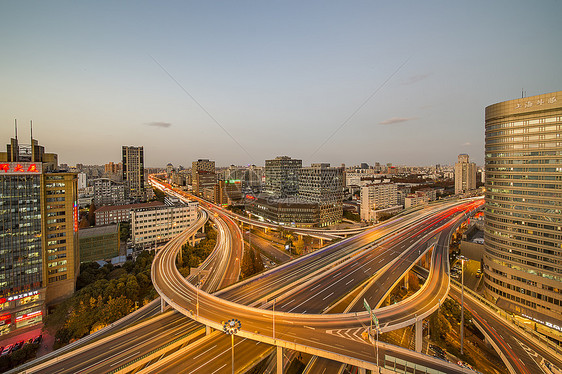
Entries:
{"x":532,"y":335}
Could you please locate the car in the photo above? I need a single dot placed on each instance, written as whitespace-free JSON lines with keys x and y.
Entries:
{"x":7,"y":350}
{"x":18,"y":345}
{"x":38,"y":339}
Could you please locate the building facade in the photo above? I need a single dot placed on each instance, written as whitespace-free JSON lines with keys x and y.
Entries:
{"x":60,"y":235}
{"x":282,"y":176}
{"x":108,"y":192}
{"x":119,"y":213}
{"x":133,"y":172}
{"x":323,"y":185}
{"x":153,"y":225}
{"x":290,"y":211}
{"x":465,"y":175}
{"x":376,"y":197}
{"x":99,"y":243}
{"x":523,"y":211}
{"x":38,"y":226}
{"x":203,"y":174}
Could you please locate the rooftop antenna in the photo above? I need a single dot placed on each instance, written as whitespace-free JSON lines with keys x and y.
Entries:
{"x":31,"y":125}
{"x":16,"y":127}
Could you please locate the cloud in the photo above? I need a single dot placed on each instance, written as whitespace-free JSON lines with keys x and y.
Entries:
{"x":396,"y":120}
{"x":159,"y":124}
{"x":467,"y":144}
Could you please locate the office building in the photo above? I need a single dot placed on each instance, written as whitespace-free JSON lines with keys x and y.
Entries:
{"x":38,"y":226}
{"x":156,"y":224}
{"x":203,"y":174}
{"x":465,"y":175}
{"x":282,"y":176}
{"x":133,"y":172}
{"x":290,"y":211}
{"x":323,"y":185}
{"x":523,"y":214}
{"x":376,"y":197}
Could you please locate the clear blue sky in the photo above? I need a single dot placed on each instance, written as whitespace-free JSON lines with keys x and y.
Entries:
{"x":279,"y":76}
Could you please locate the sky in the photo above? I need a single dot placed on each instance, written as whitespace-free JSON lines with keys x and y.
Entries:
{"x":243,"y":81}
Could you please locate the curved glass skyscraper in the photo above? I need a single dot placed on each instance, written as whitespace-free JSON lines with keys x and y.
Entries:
{"x":523,"y":226}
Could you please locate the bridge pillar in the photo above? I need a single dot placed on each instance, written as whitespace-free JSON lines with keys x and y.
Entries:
{"x":419,"y":335}
{"x":321,"y":242}
{"x":362,"y":371}
{"x":279,"y":360}
{"x":407,"y":280}
{"x":428,"y":259}
{"x":208,"y":330}
{"x":162,"y":305}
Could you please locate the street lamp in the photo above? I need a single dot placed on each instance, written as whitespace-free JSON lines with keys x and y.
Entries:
{"x":273,"y":319}
{"x":198,"y":285}
{"x":231,"y":327}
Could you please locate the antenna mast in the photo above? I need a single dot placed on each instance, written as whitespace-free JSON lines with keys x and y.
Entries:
{"x":31,"y":125}
{"x":16,"y":127}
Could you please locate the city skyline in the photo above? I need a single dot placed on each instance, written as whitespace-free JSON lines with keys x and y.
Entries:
{"x":339,"y":83}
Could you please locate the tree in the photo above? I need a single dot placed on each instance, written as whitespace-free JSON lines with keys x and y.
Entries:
{"x":91,"y":215}
{"x":247,"y":266}
{"x":258,"y":263}
{"x":299,"y":247}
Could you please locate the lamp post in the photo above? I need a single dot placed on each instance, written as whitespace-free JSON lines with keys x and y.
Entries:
{"x":273,"y":319}
{"x":231,"y":327}
{"x":198,"y":285}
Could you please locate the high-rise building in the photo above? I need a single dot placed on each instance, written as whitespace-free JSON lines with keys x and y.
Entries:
{"x":523,"y":214}
{"x":282,"y":176}
{"x":133,"y":172}
{"x":59,"y":209}
{"x":203,"y":174}
{"x":323,"y":184}
{"x":465,"y":175}
{"x":38,"y":234}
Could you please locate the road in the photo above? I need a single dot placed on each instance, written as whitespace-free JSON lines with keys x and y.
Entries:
{"x":259,"y":322}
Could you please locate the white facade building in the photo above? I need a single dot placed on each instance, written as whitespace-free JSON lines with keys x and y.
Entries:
{"x":153,"y":225}
{"x":375,"y":197}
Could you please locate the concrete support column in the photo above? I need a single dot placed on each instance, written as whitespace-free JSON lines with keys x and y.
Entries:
{"x":428,"y":259}
{"x":279,"y":360}
{"x":203,"y":228}
{"x":321,"y":242}
{"x":362,"y":371}
{"x":162,"y":305}
{"x":419,"y":335}
{"x":208,"y":330}
{"x":407,"y":280}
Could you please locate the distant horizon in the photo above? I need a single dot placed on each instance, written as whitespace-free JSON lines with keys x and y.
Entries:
{"x":245,"y":81}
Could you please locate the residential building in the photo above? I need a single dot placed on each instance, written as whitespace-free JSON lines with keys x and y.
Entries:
{"x":282,"y":176}
{"x":133,"y":172}
{"x":99,"y":243}
{"x":375,"y":197}
{"x":465,"y":175}
{"x":523,"y":216}
{"x":153,"y":225}
{"x":323,"y":185}
{"x":119,"y":213}
{"x":108,"y":192}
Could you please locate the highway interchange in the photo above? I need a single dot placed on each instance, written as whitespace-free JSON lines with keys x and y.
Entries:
{"x":302,"y":289}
